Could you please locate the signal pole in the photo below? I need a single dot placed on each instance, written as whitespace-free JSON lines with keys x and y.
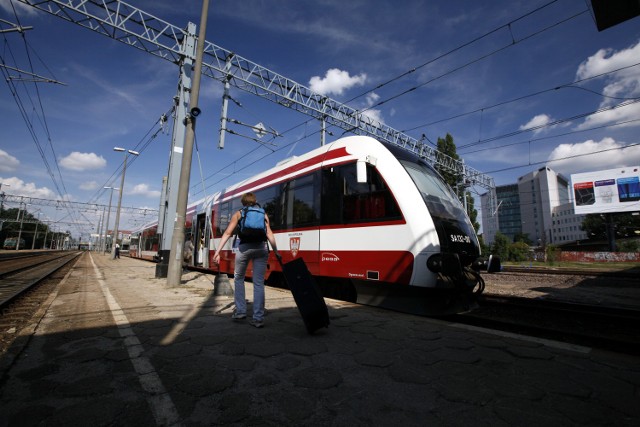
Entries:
{"x":174,"y":273}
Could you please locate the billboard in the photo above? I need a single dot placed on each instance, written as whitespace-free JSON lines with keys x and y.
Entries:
{"x":612,"y":190}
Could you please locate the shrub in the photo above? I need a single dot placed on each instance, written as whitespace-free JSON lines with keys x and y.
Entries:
{"x":553,"y":253}
{"x":518,"y":251}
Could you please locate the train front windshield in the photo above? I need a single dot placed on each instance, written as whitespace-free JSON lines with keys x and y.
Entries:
{"x":454,"y":229}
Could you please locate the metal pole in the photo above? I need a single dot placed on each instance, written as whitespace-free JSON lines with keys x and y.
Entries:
{"x":174,"y":273}
{"x":46,"y":232}
{"x":223,"y":114}
{"x":100,"y":231}
{"x":21,"y":220}
{"x":33,"y":243}
{"x":124,"y":171}
{"x":106,"y":230}
{"x":114,"y":241}
{"x":611,"y":233}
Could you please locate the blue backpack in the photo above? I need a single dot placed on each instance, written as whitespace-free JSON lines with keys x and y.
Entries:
{"x":252,"y":226}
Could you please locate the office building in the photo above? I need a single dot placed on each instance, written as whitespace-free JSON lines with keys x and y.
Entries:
{"x":538,"y":205}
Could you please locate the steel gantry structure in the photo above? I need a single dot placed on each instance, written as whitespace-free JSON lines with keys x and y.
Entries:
{"x":134,"y":27}
{"x":9,"y":198}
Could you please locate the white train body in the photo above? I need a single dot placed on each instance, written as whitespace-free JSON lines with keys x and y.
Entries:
{"x":399,"y":228}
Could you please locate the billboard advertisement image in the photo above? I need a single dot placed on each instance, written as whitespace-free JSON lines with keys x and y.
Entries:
{"x":607,"y":191}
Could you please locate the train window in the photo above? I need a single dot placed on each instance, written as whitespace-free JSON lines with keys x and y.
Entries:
{"x":345,"y":200}
{"x":296,"y":203}
{"x":223,"y":218}
{"x":149,"y":240}
{"x":438,"y":196}
{"x":428,"y":183}
{"x":268,"y":199}
{"x":305,"y":201}
{"x":291,"y":204}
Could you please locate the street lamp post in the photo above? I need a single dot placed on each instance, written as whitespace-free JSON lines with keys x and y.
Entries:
{"x":124,"y":171}
{"x":106,"y":229}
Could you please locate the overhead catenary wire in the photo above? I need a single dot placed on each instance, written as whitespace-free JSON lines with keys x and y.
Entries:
{"x":38,"y":110}
{"x":564,"y":158}
{"x":550,"y":2}
{"x":507,"y":26}
{"x":622,"y":123}
{"x":530,"y":95}
{"x":140,"y":147}
{"x":451,"y":51}
{"x":552,"y":123}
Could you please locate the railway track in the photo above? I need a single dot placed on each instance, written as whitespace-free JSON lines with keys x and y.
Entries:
{"x":18,"y":274}
{"x":23,"y":290}
{"x":606,"y":328}
{"x":632,"y":272}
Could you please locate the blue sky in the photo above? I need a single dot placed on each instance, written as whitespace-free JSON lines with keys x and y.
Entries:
{"x":516,"y":83}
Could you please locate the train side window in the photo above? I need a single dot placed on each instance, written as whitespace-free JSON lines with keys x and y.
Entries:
{"x":345,"y":200}
{"x":306,"y":202}
{"x":268,"y":199}
{"x":223,"y":218}
{"x":149,"y":239}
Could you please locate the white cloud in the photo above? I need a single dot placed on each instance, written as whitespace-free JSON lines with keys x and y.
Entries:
{"x":621,"y":84}
{"x":83,"y":161}
{"x":606,"y":60}
{"x":538,"y":123}
{"x":373,"y":113}
{"x":619,"y":115}
{"x":605,"y":154}
{"x":17,"y":187}
{"x":143,"y":190}
{"x":90,"y":185}
{"x":335,"y":82}
{"x":8,"y":163}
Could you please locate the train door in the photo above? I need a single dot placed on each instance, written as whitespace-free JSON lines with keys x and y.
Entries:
{"x":301,"y":219}
{"x":200,"y":242}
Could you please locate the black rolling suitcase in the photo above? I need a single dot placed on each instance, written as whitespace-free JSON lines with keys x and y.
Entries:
{"x":306,"y":294}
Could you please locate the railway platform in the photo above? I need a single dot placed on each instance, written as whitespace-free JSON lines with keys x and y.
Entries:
{"x":114,"y":346}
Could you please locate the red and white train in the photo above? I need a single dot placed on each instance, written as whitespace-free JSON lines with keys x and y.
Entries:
{"x":374,"y":223}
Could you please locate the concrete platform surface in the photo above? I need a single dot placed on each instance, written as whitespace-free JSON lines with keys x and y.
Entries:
{"x":117,"y":347}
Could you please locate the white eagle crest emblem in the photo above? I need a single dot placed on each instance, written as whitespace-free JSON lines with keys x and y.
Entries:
{"x":294,"y":245}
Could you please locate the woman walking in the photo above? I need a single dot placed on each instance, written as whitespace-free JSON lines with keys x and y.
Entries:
{"x":252,"y":247}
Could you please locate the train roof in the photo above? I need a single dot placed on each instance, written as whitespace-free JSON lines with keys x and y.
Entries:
{"x":337,"y":151}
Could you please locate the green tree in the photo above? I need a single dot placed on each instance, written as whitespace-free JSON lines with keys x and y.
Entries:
{"x":500,"y":246}
{"x":624,"y":224}
{"x":472,"y":211}
{"x":518,"y":251}
{"x":629,"y":246}
{"x":552,"y":253}
{"x":447,"y":146}
{"x":522,"y":237}
{"x":484,"y":248}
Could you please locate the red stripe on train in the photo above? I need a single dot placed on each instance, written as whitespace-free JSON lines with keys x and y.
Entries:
{"x":314,"y":161}
{"x":385,"y":266}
